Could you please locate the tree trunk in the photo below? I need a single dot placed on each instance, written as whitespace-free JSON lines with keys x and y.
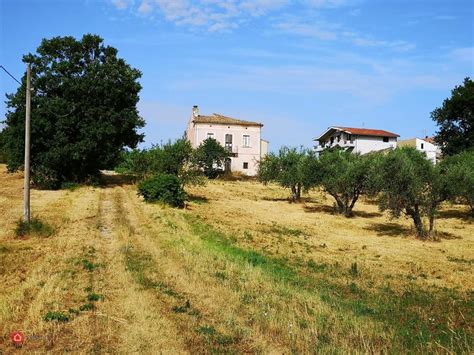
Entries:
{"x":348,"y":210}
{"x":294,"y":195}
{"x":431,"y":224}
{"x":415,"y":214}
{"x":298,"y":191}
{"x":340,"y":204}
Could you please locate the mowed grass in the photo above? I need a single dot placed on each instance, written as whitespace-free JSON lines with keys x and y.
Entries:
{"x":239,"y":270}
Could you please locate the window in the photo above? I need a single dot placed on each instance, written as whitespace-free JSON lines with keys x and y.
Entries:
{"x":246,"y":140}
{"x":228,"y":142}
{"x":422,"y":146}
{"x":385,"y":139}
{"x":210,"y":135}
{"x":246,"y":165}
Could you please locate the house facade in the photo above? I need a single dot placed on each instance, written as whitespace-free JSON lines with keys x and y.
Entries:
{"x":427,"y":146}
{"x":241,"y":138}
{"x":356,"y":140}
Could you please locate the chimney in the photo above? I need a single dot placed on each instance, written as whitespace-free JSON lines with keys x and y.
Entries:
{"x":195,"y":111}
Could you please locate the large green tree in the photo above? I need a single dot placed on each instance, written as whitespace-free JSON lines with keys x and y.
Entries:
{"x":210,"y":156}
{"x":456,"y":120}
{"x":84,"y":110}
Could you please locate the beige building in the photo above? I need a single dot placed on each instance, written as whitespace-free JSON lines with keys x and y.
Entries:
{"x":241,"y":138}
{"x":427,"y":146}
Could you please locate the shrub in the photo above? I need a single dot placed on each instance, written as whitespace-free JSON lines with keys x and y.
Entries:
{"x":164,"y":188}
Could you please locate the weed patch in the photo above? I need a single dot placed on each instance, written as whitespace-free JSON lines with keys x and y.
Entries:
{"x":56,"y":316}
{"x":94,"y":297}
{"x":34,"y":227}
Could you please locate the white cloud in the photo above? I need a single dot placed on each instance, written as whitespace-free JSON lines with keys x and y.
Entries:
{"x":145,"y":7}
{"x":122,"y":4}
{"x":228,"y":15}
{"x":305,"y":29}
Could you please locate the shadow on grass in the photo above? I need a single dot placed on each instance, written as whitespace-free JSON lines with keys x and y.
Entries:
{"x":200,"y":200}
{"x":320,"y":209}
{"x":111,"y":180}
{"x":365,"y":214}
{"x":446,"y":235}
{"x":332,"y":210}
{"x":463,"y":214}
{"x":390,"y":229}
{"x":276,"y":199}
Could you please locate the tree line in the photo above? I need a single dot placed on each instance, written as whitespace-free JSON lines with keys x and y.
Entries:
{"x":402,"y":180}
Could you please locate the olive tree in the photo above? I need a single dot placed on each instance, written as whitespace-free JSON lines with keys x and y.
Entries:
{"x":410,"y":184}
{"x":291,"y":168}
{"x":346,"y":176}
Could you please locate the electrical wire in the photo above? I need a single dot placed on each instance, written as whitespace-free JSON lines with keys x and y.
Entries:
{"x":6,"y":71}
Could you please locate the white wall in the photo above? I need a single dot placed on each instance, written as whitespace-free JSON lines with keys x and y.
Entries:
{"x":428,"y":148}
{"x":366,"y":144}
{"x":431,"y":150}
{"x":251,"y":155}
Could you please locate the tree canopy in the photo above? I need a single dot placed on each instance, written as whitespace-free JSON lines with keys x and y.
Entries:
{"x":455,"y":119}
{"x":459,"y":175}
{"x":172,"y":158}
{"x":83,"y":111}
{"x":291,"y":168}
{"x":210,"y":156}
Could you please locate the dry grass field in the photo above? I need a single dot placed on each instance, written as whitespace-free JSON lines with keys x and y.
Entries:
{"x":240,"y":270}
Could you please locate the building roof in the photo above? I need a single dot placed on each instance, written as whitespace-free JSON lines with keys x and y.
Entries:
{"x":368,"y":132}
{"x":220,"y":119}
{"x":358,"y":131}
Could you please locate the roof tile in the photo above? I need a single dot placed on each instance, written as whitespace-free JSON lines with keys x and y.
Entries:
{"x":220,"y":119}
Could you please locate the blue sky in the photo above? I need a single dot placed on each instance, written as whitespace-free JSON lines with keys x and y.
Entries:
{"x":298,"y":66}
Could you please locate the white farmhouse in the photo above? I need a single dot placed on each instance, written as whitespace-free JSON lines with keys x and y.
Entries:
{"x":356,"y":140}
{"x":427,"y":146}
{"x":241,"y":138}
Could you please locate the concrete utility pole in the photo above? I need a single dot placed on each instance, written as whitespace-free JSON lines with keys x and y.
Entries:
{"x":26,"y":186}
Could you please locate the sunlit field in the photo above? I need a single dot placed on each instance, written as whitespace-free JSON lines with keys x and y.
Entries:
{"x":239,"y":270}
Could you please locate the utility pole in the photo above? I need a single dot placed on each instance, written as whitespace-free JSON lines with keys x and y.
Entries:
{"x":26,"y":186}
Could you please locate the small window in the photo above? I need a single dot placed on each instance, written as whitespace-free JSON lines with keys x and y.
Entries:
{"x":385,"y":139}
{"x":246,"y":165}
{"x":246,"y":140}
{"x":422,"y":146}
{"x":210,"y":135}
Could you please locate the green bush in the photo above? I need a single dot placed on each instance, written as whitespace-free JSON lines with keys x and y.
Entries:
{"x":164,"y":188}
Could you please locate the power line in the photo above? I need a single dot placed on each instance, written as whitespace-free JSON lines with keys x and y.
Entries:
{"x":6,"y":71}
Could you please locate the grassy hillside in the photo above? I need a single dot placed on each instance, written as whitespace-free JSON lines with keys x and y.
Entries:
{"x":240,"y":270}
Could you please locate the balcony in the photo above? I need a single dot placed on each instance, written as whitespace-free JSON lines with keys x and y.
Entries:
{"x":341,"y":143}
{"x":232,"y":149}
